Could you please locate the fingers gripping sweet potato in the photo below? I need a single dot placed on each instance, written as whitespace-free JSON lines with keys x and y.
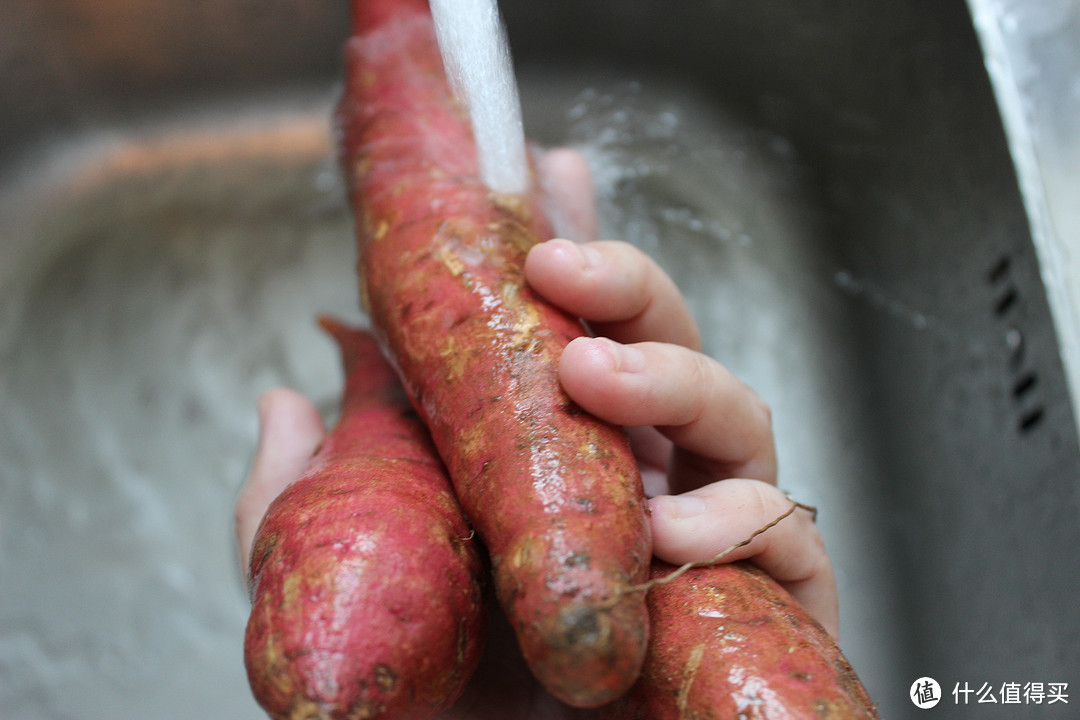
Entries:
{"x":365,"y":584}
{"x":728,"y":643}
{"x":554,"y":493}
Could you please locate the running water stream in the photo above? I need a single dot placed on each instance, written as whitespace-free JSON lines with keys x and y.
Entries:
{"x":477,"y":59}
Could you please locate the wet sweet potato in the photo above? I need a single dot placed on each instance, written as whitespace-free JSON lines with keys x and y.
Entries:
{"x":554,"y":492}
{"x":365,"y":583}
{"x":728,"y":643}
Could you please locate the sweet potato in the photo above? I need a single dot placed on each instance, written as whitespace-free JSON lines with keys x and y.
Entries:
{"x":366,"y":585}
{"x":729,"y":643}
{"x":554,"y":493}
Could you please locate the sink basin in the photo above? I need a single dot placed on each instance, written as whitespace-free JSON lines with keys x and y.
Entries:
{"x":828,"y":181}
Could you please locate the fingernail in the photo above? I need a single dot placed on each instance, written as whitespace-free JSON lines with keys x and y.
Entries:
{"x":678,"y":506}
{"x":624,"y":358}
{"x":591,"y":257}
{"x":584,"y":256}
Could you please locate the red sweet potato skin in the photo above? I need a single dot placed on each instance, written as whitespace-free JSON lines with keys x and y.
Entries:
{"x":554,"y":493}
{"x":365,"y":583}
{"x":729,"y":643}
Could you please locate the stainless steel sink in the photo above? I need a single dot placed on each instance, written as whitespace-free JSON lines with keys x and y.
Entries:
{"x":829,"y":182}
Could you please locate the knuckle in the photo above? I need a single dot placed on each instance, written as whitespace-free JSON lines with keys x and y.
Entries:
{"x":638,"y":273}
{"x":703,"y":384}
{"x":762,"y":409}
{"x":759,"y":441}
{"x":765,"y":501}
{"x":817,"y":564}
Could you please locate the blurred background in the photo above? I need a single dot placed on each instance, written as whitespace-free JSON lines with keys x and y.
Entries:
{"x":871,"y":208}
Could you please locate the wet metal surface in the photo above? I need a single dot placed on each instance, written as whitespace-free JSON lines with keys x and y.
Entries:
{"x":839,"y":207}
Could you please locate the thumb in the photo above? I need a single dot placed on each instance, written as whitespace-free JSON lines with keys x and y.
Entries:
{"x":290,"y":430}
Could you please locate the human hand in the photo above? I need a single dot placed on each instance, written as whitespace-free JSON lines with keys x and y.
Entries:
{"x":703,"y":438}
{"x":646,"y":371}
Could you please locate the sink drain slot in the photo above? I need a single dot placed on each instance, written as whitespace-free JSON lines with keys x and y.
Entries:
{"x":1024,"y":385}
{"x":1024,"y":380}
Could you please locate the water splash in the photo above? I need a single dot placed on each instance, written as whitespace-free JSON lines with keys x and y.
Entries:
{"x":882,"y":299}
{"x":477,"y":58}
